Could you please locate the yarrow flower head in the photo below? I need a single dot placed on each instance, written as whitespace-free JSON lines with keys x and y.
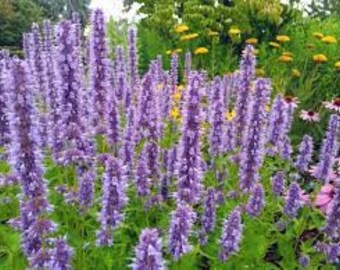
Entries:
{"x":149,"y":251}
{"x":231,"y":235}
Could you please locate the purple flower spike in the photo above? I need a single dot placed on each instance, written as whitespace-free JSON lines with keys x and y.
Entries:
{"x":182,"y":220}
{"x":231,"y":235}
{"x":4,"y":68}
{"x":149,"y":251}
{"x":189,"y":160}
{"x":328,"y":150}
{"x":86,"y":189}
{"x":209,"y":215}
{"x":174,"y":72}
{"x":61,"y":255}
{"x":187,"y":65}
{"x":217,"y":119}
{"x":278,"y":119}
{"x":229,"y":137}
{"x":247,"y":72}
{"x":286,"y":148}
{"x":133,"y":67}
{"x":332,"y":227}
{"x":120,"y":74}
{"x":304,"y":261}
{"x":99,"y":70}
{"x":251,"y":156}
{"x":143,"y":182}
{"x":113,"y":201}
{"x":293,"y":200}
{"x":278,"y":183}
{"x":256,"y":201}
{"x":305,"y":153}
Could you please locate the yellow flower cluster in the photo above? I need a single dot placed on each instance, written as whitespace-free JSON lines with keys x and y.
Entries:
{"x":285,"y":59}
{"x":296,"y":73}
{"x":318,"y":35}
{"x":274,"y":44}
{"x":329,"y":40}
{"x":282,"y":38}
{"x":181,"y":28}
{"x":201,"y":50}
{"x":251,"y":41}
{"x":337,"y":65}
{"x":189,"y":37}
{"x":230,"y":115}
{"x":320,"y":58}
{"x":168,"y":52}
{"x":234,"y":32}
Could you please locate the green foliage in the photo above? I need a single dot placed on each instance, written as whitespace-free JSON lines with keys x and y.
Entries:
{"x":17,"y":18}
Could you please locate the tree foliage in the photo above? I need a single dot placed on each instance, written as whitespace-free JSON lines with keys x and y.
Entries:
{"x":16,"y":17}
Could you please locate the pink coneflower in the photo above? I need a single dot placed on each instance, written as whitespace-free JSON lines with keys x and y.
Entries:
{"x":310,"y":116}
{"x":292,"y":101}
{"x":333,"y":105}
{"x":324,"y":198}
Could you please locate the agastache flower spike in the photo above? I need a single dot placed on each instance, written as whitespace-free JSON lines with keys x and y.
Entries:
{"x":256,"y":201}
{"x":293,"y":200}
{"x":278,"y":183}
{"x":217,"y":119}
{"x":209,"y":215}
{"x":174,"y":72}
{"x":332,"y":227}
{"x":328,"y":150}
{"x":26,"y":159}
{"x":143,"y":182}
{"x":86,"y":189}
{"x":189,"y":161}
{"x":132,"y":91}
{"x":61,"y":255}
{"x":247,"y":72}
{"x":231,"y":235}
{"x":69,"y":84}
{"x":113,"y":201}
{"x":254,"y":138}
{"x":99,"y":70}
{"x":4,"y":68}
{"x":149,"y":251}
{"x":278,"y":119}
{"x":121,"y":83}
{"x":229,"y":137}
{"x":305,"y":153}
{"x":182,"y":220}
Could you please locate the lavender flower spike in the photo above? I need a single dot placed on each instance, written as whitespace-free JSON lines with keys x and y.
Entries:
{"x":305,"y":153}
{"x":278,"y":183}
{"x":332,"y":227}
{"x":231,"y":235}
{"x":217,"y":119}
{"x":328,"y":150}
{"x":99,"y":70}
{"x":247,"y":72}
{"x":182,"y":220}
{"x":149,"y":251}
{"x":113,"y":201}
{"x":4,"y":67}
{"x":189,"y":160}
{"x":209,"y":215}
{"x":256,"y":201}
{"x":61,"y":255}
{"x":86,"y":189}
{"x":254,"y":138}
{"x":293,"y":200}
{"x":133,"y":67}
{"x":143,"y":182}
